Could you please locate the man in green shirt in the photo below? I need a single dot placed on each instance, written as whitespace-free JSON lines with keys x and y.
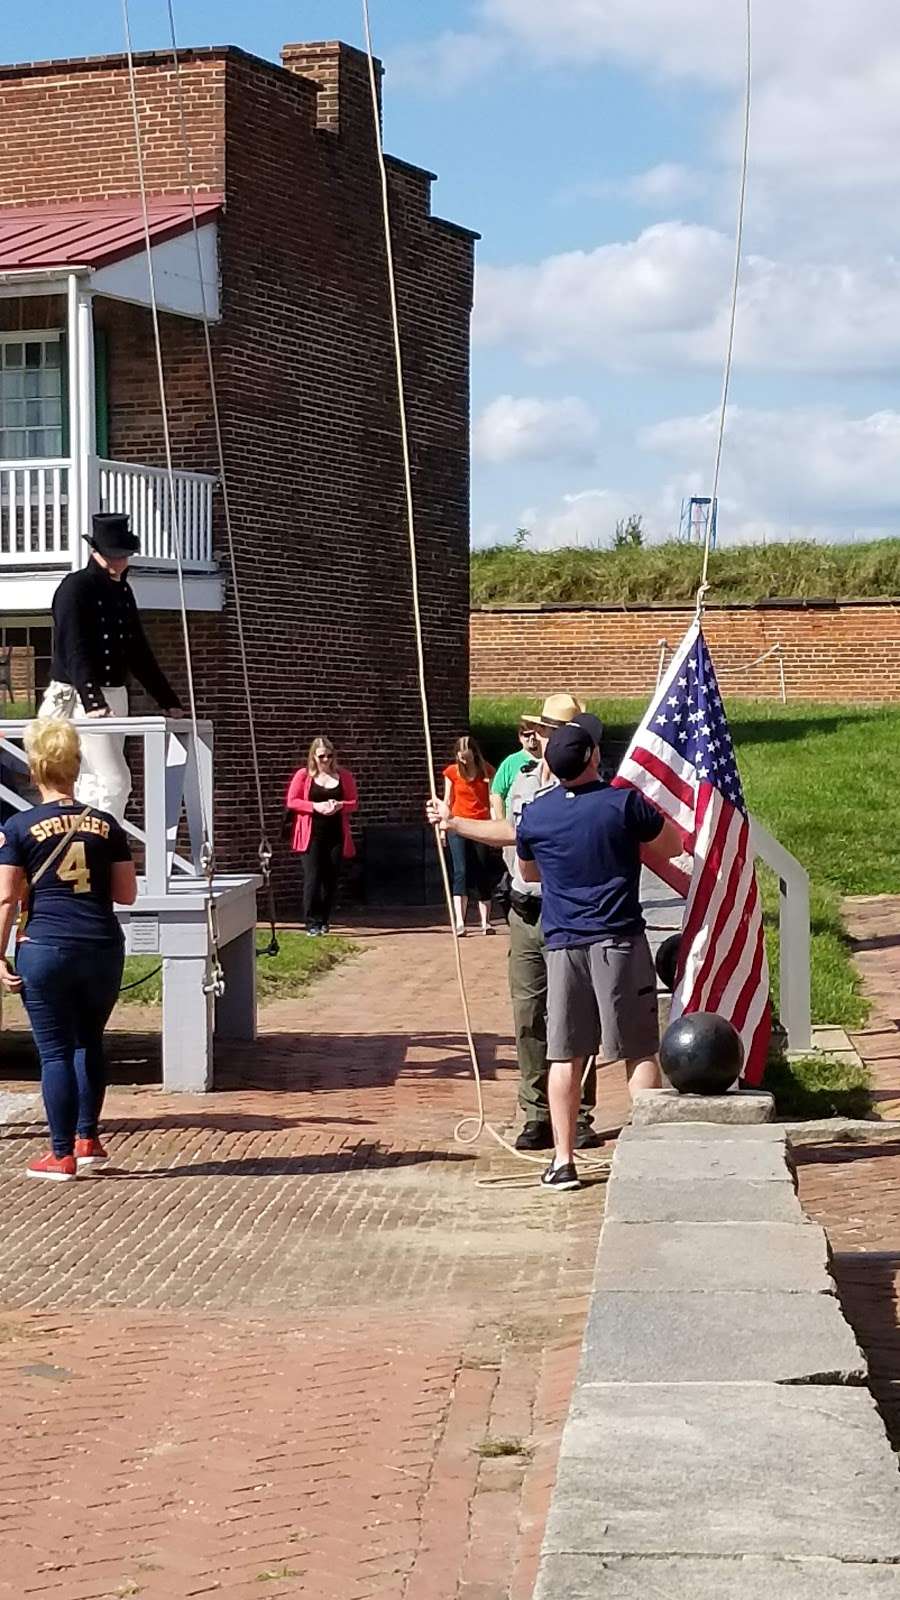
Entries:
{"x":511,"y":766}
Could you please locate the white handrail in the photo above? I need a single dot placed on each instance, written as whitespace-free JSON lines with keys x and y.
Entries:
{"x":795,"y":1003}
{"x":37,"y":508}
{"x":177,"y":781}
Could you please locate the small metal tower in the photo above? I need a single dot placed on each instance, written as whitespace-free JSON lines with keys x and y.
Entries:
{"x":697,"y":513}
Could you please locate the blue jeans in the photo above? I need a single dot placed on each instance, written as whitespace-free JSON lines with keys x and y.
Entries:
{"x":474,"y":867}
{"x":69,"y":990}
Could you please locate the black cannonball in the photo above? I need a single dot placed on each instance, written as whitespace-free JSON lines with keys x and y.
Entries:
{"x":701,"y":1053}
{"x":667,"y":961}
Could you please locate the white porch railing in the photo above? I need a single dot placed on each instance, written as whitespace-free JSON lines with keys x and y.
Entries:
{"x":34,"y":511}
{"x":145,"y":494}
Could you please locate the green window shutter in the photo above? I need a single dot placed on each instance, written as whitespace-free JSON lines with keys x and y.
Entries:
{"x":101,"y":390}
{"x":64,"y":389}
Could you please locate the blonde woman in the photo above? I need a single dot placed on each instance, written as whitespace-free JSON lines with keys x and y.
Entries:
{"x":68,"y":863}
{"x":467,"y":782}
{"x":323,"y":796}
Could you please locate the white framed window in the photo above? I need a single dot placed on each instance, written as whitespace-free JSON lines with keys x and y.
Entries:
{"x":31,"y":396}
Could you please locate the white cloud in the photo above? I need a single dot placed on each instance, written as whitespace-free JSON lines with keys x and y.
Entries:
{"x":609,"y":301}
{"x":586,"y":518}
{"x":524,"y":428}
{"x":664,"y":184}
{"x":693,"y":38}
{"x":826,"y":108}
{"x":663,"y":299}
{"x":444,"y":65}
{"x":805,"y":473}
{"x":812,"y":466}
{"x":661,"y":185}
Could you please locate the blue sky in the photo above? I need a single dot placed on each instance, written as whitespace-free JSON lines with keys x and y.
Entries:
{"x":593,"y":143}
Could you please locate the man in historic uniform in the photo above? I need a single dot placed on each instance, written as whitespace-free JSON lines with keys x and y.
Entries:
{"x":98,"y":640}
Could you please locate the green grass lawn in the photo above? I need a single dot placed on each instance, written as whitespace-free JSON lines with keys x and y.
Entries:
{"x":821,"y":778}
{"x":299,"y":961}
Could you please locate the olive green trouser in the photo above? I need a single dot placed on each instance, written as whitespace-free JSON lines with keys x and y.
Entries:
{"x":528,"y":993}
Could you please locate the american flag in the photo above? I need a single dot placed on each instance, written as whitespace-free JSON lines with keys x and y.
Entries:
{"x":682,"y":758}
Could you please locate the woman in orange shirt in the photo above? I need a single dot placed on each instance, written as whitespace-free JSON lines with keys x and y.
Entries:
{"x":467,"y":783}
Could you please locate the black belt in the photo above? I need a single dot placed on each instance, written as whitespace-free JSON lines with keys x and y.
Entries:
{"x":526,"y":906}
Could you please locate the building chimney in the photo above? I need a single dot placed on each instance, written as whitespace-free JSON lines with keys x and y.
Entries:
{"x":342,"y":76}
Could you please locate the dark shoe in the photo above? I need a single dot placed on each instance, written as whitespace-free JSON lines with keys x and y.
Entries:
{"x":325,"y":928}
{"x":560,"y":1178}
{"x":313,"y":933}
{"x":586,"y":1135}
{"x":535,"y":1136}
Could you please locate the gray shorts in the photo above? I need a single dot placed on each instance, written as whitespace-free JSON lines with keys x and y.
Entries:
{"x":602,"y":995}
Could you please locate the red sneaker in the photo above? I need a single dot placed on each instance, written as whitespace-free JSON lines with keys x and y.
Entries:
{"x":89,"y":1153}
{"x":60,"y":1169}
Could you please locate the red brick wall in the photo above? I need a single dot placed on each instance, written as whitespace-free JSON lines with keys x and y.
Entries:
{"x":845,"y":652}
{"x":307,"y":397}
{"x":68,"y":132}
{"x":135,"y":419}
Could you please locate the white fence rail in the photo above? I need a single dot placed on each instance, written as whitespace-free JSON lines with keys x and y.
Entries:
{"x":144,"y":493}
{"x":34,"y":511}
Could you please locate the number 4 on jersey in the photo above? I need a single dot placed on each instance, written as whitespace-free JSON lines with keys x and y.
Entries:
{"x":74,"y":869}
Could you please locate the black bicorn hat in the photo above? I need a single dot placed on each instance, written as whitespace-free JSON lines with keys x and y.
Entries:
{"x":111,"y":535}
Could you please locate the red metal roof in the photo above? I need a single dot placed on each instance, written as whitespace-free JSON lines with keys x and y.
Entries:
{"x":92,"y":233}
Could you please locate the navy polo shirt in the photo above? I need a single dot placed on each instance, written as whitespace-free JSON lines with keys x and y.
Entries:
{"x":73,"y":898}
{"x":586,"y":842}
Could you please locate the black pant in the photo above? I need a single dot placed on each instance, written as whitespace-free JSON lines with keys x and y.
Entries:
{"x":321,"y":864}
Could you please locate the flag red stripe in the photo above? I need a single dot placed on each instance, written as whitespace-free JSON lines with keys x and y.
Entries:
{"x":751,"y":985}
{"x":700,"y":890}
{"x":757,"y":1056}
{"x":663,"y":774}
{"x":670,"y":874}
{"x":732,"y":956}
{"x":725,"y":910}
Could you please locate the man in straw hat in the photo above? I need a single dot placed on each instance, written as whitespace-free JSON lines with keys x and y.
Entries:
{"x":98,"y":640}
{"x":527,"y":969}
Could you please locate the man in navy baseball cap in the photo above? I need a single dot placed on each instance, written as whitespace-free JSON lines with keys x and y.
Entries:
{"x":569,"y":751}
{"x":583,"y":839}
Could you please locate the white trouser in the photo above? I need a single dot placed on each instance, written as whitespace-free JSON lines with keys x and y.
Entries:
{"x":104,"y":780}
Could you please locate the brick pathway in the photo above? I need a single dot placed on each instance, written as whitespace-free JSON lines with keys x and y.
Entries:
{"x":854,"y":1189}
{"x":271,"y":1352}
{"x":873,"y":923}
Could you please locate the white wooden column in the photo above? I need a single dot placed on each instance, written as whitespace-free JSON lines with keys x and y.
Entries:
{"x":87,"y":410}
{"x":74,"y":488}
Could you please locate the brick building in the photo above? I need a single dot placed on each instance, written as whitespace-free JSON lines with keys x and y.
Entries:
{"x":291,"y":239}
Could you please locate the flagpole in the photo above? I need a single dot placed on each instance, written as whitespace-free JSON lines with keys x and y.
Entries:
{"x":735,"y":285}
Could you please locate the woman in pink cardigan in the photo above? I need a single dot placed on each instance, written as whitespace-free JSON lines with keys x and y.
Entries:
{"x":323,"y":795}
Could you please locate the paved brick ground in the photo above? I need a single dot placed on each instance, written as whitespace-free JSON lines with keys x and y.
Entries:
{"x":873,"y":922}
{"x":854,"y":1189}
{"x":263,"y":1355}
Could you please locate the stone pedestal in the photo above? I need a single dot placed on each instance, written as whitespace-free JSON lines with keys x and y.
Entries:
{"x":741,"y":1107}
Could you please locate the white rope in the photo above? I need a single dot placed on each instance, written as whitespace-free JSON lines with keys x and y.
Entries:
{"x":265,"y":850}
{"x":216,"y":983}
{"x":735,"y":286}
{"x":661,"y":664}
{"x":478,"y":1119}
{"x":774,"y":651}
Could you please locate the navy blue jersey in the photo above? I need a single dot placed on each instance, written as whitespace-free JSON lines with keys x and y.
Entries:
{"x":73,"y":899}
{"x":587,"y":841}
